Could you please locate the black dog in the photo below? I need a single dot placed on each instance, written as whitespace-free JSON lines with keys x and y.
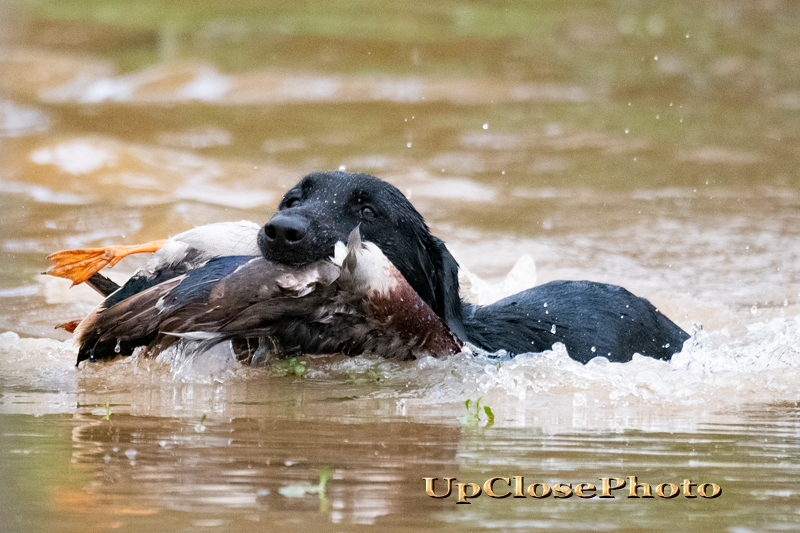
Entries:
{"x":591,"y":319}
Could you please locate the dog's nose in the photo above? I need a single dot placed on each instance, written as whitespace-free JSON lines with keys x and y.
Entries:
{"x":285,"y":231}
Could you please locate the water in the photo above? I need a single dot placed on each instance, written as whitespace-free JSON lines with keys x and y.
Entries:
{"x":539,"y":141}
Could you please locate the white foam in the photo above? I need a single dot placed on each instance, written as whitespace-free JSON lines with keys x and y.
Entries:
{"x":190,"y":361}
{"x":713,"y":370}
{"x":710,"y":380}
{"x":475,"y":290}
{"x":38,"y":375}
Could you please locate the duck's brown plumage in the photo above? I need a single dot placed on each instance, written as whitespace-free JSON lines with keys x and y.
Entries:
{"x":356,"y":303}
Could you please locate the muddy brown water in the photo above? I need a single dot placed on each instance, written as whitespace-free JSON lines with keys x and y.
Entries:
{"x":650,"y":146}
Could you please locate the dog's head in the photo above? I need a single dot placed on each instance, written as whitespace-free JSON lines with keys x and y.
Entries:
{"x":324,"y":208}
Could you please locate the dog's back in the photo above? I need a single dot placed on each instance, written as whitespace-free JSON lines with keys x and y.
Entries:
{"x":590,"y":319}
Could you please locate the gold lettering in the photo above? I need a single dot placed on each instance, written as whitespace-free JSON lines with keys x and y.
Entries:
{"x":607,"y":488}
{"x":546,"y":490}
{"x":673,"y":490}
{"x":487,"y":487}
{"x":702,"y":490}
{"x":564,"y":489}
{"x":462,"y":491}
{"x":429,"y":481}
{"x":519,"y":487}
{"x":585,"y":486}
{"x":634,"y":492}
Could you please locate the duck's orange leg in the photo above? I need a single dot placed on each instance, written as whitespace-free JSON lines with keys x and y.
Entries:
{"x":80,"y":265}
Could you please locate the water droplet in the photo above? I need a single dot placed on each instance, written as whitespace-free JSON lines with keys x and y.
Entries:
{"x":342,"y":168}
{"x":486,"y":126}
{"x":553,"y":329}
{"x":408,"y":145}
{"x":545,"y":304}
{"x":594,"y":349}
{"x":117,"y":348}
{"x":754,"y":309}
{"x":655,"y":57}
{"x":626,"y":130}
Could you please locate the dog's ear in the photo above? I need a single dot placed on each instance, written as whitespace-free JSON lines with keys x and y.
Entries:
{"x":446,"y":290}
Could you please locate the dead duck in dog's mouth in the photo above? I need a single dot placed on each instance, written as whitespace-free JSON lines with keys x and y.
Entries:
{"x":352,"y":303}
{"x":395,"y":293}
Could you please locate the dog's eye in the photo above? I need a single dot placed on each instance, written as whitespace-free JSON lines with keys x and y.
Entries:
{"x":367,"y":213}
{"x":291,"y":202}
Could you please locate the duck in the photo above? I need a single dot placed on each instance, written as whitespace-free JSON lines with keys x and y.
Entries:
{"x":210,"y":285}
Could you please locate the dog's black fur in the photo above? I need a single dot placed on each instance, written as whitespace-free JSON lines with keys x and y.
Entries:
{"x":591,"y":319}
{"x":324,"y":208}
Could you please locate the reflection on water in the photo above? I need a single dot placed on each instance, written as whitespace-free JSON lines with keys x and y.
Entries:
{"x":652,"y":146}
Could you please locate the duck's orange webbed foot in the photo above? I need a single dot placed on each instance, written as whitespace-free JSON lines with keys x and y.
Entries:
{"x":80,"y":265}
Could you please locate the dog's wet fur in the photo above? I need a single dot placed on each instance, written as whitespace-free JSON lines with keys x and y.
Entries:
{"x":590,"y":319}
